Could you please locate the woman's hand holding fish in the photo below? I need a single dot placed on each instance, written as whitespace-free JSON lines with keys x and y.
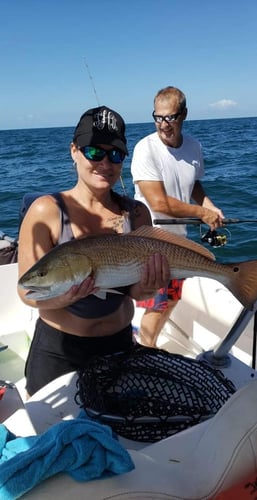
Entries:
{"x":75,"y":293}
{"x":155,"y":275}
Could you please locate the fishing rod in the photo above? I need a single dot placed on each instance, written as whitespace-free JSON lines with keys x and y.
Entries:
{"x":197,"y":222}
{"x":91,"y":80}
{"x":212,"y":237}
{"x":98,"y":103}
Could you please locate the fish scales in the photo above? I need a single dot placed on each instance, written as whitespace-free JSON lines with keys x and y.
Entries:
{"x":117,"y":260}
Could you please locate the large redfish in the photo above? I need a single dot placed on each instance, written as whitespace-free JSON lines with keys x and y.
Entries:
{"x":117,"y":260}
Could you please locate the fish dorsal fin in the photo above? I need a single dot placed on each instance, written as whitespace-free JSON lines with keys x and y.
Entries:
{"x":175,"y":239}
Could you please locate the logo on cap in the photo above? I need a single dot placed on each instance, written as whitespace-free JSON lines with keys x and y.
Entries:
{"x":105,"y":118}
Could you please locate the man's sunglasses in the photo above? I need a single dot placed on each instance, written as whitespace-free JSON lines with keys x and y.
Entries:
{"x":97,"y":154}
{"x":167,"y":118}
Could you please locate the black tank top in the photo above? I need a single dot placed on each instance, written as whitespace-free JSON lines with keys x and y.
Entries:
{"x":92,"y":306}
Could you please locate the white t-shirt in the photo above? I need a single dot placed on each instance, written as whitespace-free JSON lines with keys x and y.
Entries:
{"x":177,"y":168}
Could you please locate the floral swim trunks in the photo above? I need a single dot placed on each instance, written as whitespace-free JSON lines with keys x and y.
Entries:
{"x":160,"y":301}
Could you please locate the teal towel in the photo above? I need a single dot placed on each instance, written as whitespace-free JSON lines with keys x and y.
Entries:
{"x":83,"y":448}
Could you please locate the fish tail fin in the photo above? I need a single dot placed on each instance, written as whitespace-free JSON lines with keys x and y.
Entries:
{"x":244,"y":282}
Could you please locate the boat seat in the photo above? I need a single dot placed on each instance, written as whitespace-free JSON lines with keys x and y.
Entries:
{"x":195,"y":464}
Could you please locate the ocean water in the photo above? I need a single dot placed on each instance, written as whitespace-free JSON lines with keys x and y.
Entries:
{"x":39,"y":160}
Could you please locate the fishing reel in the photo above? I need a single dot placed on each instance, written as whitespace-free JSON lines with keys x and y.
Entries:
{"x":214,"y":238}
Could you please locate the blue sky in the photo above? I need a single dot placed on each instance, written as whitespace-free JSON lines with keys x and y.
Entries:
{"x":54,"y":55}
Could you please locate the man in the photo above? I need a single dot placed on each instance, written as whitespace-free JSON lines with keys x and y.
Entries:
{"x":166,"y":168}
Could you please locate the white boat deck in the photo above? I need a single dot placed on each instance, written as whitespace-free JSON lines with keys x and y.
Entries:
{"x":202,"y":319}
{"x":16,"y":328}
{"x":199,"y":322}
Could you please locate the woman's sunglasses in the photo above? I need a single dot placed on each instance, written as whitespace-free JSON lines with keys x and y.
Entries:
{"x":97,"y":154}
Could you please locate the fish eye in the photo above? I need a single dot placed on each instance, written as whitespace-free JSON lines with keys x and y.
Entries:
{"x":41,"y":274}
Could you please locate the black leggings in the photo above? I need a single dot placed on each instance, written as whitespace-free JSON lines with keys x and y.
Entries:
{"x":53,"y":352}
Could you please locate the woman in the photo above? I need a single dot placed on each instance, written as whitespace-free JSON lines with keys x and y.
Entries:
{"x":77,"y":324}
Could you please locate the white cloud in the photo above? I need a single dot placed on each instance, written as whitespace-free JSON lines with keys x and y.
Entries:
{"x":223,"y":104}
